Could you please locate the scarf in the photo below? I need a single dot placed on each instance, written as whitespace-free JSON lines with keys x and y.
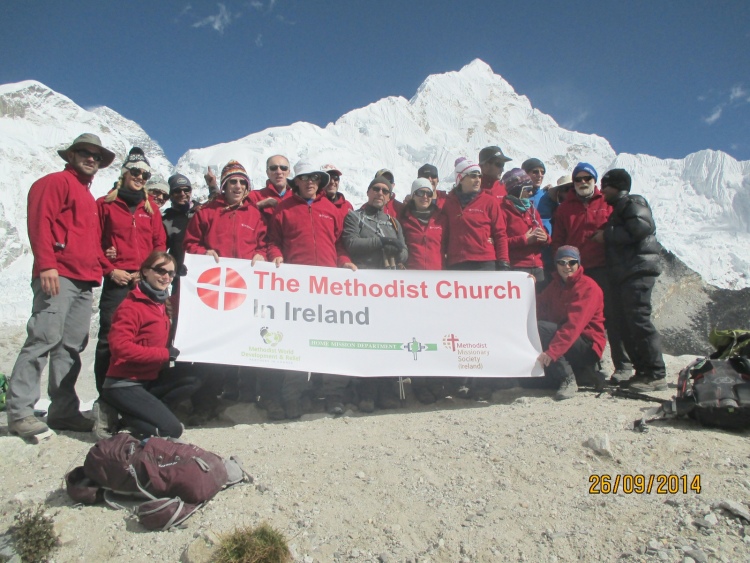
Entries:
{"x":131,"y":197}
{"x":523,"y":205}
{"x":160,"y":296}
{"x":466,"y":199}
{"x":423,"y":215}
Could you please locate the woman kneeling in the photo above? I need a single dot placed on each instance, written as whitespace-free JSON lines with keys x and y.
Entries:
{"x":570,"y":314}
{"x":138,"y":341}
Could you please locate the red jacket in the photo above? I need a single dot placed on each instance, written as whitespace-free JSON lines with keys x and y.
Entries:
{"x":134,"y":235}
{"x":307,"y":234}
{"x":269,"y":191}
{"x":575,"y":223}
{"x":138,"y":338}
{"x":239,"y":232}
{"x":393,"y":207}
{"x":475,"y":233}
{"x":63,"y":226}
{"x":425,"y":242}
{"x":577,"y":307}
{"x":493,"y":187}
{"x":342,"y":205}
{"x":517,"y":224}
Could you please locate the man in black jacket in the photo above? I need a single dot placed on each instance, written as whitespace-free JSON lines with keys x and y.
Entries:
{"x":633,"y":265}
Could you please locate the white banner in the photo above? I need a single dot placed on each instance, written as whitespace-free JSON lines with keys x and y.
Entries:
{"x":364,"y":323}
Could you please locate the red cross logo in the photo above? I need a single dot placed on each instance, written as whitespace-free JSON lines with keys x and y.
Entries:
{"x":449,"y":341}
{"x":222,"y":288}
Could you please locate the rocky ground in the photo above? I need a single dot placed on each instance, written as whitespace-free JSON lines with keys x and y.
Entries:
{"x":505,"y":480}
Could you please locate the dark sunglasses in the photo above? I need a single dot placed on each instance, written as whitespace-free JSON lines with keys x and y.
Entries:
{"x":570,"y":263}
{"x":378,"y":190}
{"x":497,"y":162}
{"x":428,"y":176}
{"x":423,"y":193}
{"x":275,"y":167}
{"x":475,"y":175}
{"x":88,"y":154}
{"x":137,"y":172}
{"x":585,"y":179}
{"x":334,"y":177}
{"x":233,"y":181}
{"x":182,"y":190}
{"x":164,"y":272}
{"x":309,"y":177}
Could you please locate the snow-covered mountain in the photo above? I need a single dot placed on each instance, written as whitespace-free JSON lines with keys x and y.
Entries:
{"x":701,"y":202}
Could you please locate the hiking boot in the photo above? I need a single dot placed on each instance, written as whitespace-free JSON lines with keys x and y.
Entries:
{"x":75,"y":423}
{"x":568,"y":388}
{"x":334,"y":406}
{"x":621,"y":375}
{"x":27,"y":427}
{"x":105,"y":419}
{"x":589,"y":376}
{"x":425,"y":396}
{"x":647,"y":384}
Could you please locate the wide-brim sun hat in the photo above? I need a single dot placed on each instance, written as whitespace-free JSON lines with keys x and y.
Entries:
{"x":93,"y":140}
{"x":304,"y":167}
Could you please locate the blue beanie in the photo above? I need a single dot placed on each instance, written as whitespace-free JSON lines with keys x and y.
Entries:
{"x":567,"y":251}
{"x":585,"y":167}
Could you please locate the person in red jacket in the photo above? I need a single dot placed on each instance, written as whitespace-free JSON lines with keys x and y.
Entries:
{"x":277,"y":187}
{"x":63,"y":228}
{"x":526,"y":234}
{"x":306,"y":229}
{"x":332,"y":190}
{"x":131,"y":229}
{"x":430,"y":172}
{"x":570,"y":313}
{"x":230,"y":226}
{"x":136,"y":385}
{"x":579,"y":221}
{"x":492,"y":161}
{"x":475,"y":224}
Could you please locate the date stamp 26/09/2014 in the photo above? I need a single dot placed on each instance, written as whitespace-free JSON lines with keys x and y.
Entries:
{"x":660,"y":484}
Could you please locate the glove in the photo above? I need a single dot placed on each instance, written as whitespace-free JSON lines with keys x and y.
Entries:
{"x":173,"y":353}
{"x":502,"y":266}
{"x":182,"y":271}
{"x":393,"y":242}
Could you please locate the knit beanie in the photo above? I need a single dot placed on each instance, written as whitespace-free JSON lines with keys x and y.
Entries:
{"x":533,"y":163}
{"x":136,"y":159}
{"x":232,"y":169}
{"x":585,"y":167}
{"x":178,"y":181}
{"x":515,"y":181}
{"x":617,"y":178}
{"x":380,"y":180}
{"x":421,"y":183}
{"x":567,"y":251}
{"x":464,"y":166}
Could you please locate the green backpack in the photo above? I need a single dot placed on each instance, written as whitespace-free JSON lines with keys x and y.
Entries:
{"x":730,"y":342}
{"x":3,"y":391}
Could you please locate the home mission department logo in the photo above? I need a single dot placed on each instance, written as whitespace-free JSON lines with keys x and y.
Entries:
{"x":222,"y":288}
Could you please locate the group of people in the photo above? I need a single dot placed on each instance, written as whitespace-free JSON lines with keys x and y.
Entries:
{"x":591,"y":251}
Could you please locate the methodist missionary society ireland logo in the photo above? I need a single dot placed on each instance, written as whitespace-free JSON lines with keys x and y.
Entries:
{"x":222,"y":288}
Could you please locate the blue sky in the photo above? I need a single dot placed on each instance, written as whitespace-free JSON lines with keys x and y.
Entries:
{"x":661,"y":77}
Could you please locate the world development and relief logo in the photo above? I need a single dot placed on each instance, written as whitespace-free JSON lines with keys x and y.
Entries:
{"x":222,"y":288}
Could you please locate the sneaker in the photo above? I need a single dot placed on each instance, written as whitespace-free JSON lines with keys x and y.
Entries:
{"x":647,"y":384}
{"x":105,"y":419}
{"x":568,"y":388}
{"x":27,"y":427}
{"x":75,"y":423}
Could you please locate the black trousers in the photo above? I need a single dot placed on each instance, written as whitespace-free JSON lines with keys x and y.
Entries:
{"x":112,"y":296}
{"x":579,"y":357}
{"x":630,"y":305}
{"x":620,"y":357}
{"x":144,"y":407}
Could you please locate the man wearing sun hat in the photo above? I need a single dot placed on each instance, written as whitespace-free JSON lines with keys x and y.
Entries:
{"x":64,"y":234}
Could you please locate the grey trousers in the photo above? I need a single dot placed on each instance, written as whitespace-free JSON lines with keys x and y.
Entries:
{"x":58,"y":328}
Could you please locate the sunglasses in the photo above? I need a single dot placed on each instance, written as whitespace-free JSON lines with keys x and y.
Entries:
{"x":137,"y":173}
{"x":88,"y":154}
{"x":474,"y":175}
{"x":235,"y":181}
{"x":182,"y":190}
{"x":275,"y":167}
{"x":164,"y":272}
{"x":570,"y":263}
{"x":378,"y":190}
{"x":334,"y":177}
{"x":309,"y":177}
{"x":585,"y":179}
{"x":428,"y":176}
{"x":158,"y":196}
{"x":497,"y":162}
{"x":423,"y":193}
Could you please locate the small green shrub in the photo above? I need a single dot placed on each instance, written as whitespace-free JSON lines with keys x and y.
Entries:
{"x":34,"y":535}
{"x":253,"y":545}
